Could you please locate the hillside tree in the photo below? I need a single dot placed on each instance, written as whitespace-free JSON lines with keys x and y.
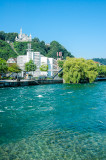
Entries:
{"x":3,"y":66}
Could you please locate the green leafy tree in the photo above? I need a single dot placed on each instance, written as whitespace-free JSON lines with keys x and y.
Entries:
{"x":35,"y":40}
{"x":39,"y":46}
{"x":2,"y":35}
{"x":14,"y":68}
{"x":11,"y":36}
{"x":60,"y":74}
{"x":56,"y":47}
{"x":6,"y":51}
{"x":8,"y":36}
{"x":3,"y":66}
{"x":60,"y":63}
{"x":44,"y":67}
{"x":100,"y":60}
{"x":77,"y":70}
{"x":30,"y":66}
{"x":21,"y":47}
{"x":102,"y":71}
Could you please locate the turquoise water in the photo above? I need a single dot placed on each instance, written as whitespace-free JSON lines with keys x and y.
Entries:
{"x":53,"y":122}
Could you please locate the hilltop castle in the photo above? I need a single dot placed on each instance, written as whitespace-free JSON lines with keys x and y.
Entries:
{"x":23,"y":37}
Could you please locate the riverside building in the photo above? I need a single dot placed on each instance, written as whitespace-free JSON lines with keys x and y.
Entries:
{"x":39,"y":60}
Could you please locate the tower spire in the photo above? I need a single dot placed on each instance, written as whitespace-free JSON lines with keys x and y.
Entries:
{"x":21,"y":31}
{"x":30,"y":37}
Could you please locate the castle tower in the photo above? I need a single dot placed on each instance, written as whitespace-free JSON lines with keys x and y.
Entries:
{"x":23,"y":37}
{"x":30,"y":38}
{"x":21,"y":33}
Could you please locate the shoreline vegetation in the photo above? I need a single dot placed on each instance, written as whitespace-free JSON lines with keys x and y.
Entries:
{"x":79,"y":70}
{"x":74,"y":70}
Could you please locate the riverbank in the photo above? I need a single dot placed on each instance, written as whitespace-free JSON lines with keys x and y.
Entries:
{"x":100,"y":79}
{"x":15,"y":83}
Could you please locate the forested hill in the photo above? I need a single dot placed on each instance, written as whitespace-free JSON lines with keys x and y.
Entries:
{"x":8,"y":36}
{"x":47,"y":50}
{"x":100,"y":60}
{"x":6,"y":51}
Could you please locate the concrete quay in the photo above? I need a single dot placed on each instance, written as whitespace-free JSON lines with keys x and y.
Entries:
{"x":15,"y":83}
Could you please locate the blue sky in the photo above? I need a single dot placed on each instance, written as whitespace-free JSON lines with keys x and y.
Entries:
{"x":79,"y":25}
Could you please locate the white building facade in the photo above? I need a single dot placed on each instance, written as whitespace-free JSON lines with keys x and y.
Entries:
{"x":39,"y":60}
{"x":23,"y":37}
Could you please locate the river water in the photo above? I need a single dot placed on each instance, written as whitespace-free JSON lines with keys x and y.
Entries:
{"x":53,"y":122}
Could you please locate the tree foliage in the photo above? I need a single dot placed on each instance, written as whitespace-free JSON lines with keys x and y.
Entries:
{"x":38,"y":46}
{"x":60,"y":74}
{"x":8,"y":36}
{"x":30,"y":66}
{"x":56,"y":47}
{"x":11,"y":36}
{"x":14,"y":68}
{"x":60,"y":63}
{"x":77,"y":70}
{"x":102,"y":71}
{"x":6,"y":51}
{"x":21,"y":47}
{"x":2,"y":35}
{"x":100,"y":60}
{"x":3,"y":66}
{"x":44,"y":67}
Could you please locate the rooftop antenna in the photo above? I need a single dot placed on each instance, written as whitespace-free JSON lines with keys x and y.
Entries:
{"x":29,"y":47}
{"x":21,"y":30}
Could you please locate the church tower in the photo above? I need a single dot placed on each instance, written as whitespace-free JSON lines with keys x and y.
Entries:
{"x":30,"y":38}
{"x":23,"y":37}
{"x":21,"y":33}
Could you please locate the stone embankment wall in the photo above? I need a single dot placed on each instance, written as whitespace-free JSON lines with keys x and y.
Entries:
{"x":11,"y":83}
{"x":27,"y":83}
